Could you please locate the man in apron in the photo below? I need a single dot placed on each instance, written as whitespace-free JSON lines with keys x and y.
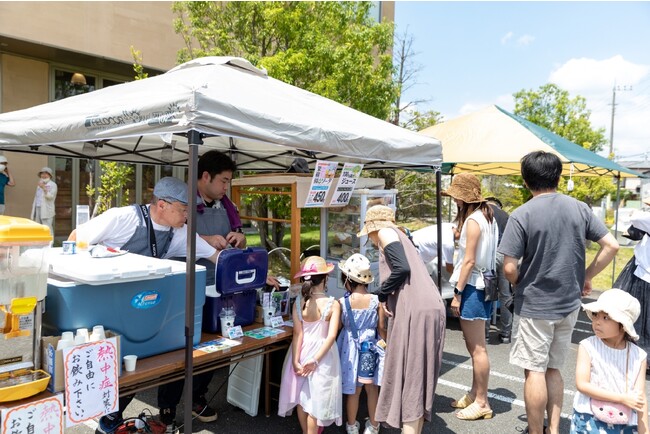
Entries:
{"x":217,"y":222}
{"x":156,"y":230}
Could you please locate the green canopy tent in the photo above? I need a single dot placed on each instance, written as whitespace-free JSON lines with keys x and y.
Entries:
{"x":492,"y":141}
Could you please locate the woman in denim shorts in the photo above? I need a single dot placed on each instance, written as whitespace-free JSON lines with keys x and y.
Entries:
{"x":476,"y":251}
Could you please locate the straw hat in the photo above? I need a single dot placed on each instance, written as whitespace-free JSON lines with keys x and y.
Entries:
{"x":377,"y":217}
{"x":357,"y":268}
{"x":619,"y":306}
{"x":465,"y":187}
{"x":313,"y":265}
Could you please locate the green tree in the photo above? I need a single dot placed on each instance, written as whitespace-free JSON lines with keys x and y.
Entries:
{"x":553,"y":108}
{"x":333,"y":49}
{"x":114,"y":176}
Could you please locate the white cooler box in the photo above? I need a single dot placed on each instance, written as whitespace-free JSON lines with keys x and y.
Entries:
{"x":138,"y":297}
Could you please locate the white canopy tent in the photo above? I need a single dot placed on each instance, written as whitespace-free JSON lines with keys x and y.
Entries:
{"x":237,"y":108}
{"x":219,"y":103}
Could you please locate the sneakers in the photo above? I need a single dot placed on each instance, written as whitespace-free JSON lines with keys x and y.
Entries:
{"x":504,"y":339}
{"x":370,"y":429}
{"x":168,"y":417}
{"x":352,"y":429}
{"x":204,"y":413}
{"x":108,"y":424}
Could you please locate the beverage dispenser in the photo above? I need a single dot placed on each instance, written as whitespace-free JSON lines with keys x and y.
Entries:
{"x":24,"y":245}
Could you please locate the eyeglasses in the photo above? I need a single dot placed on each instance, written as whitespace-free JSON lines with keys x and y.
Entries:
{"x":181,"y":209}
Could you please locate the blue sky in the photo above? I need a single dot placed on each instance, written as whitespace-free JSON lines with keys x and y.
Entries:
{"x":473,"y":54}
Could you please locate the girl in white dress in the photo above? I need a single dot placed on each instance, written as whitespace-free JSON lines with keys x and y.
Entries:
{"x":311,"y":376}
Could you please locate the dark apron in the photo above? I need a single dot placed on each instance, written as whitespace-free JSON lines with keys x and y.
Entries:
{"x":139,"y":242}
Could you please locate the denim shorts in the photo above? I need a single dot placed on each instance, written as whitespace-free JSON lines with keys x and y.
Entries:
{"x":585,"y":423}
{"x":473,"y":305}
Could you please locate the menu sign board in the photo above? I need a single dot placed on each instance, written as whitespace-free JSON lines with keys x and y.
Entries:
{"x":324,"y":173}
{"x":347,"y":181}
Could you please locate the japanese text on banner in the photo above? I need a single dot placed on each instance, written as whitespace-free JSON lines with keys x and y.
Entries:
{"x":91,"y":384}
{"x":44,"y":416}
{"x":324,"y":173}
{"x":347,"y":181}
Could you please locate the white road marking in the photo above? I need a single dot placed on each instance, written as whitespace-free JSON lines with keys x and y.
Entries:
{"x":507,"y":399}
{"x":497,"y":374}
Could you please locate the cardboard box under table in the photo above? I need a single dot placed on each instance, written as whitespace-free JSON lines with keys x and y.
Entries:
{"x":140,"y":298}
{"x":238,"y":276}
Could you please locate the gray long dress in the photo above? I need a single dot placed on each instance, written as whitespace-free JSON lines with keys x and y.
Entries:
{"x":416,"y":335}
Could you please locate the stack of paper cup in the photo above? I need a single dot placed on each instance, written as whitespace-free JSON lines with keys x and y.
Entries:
{"x":81,"y":337}
{"x":98,"y":334}
{"x":66,"y":341}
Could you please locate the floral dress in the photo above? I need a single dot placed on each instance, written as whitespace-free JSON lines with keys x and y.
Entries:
{"x":366,"y":322}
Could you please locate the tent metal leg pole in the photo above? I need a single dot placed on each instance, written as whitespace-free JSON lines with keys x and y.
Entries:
{"x":439,"y":229}
{"x":618,"y":198}
{"x":193,"y":140}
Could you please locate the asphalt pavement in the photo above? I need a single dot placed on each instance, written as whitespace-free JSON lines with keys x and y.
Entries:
{"x":505,"y":395}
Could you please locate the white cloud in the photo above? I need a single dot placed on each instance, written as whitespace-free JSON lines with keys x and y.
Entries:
{"x":505,"y":101}
{"x":525,"y":40}
{"x":595,"y":80}
{"x":505,"y":38}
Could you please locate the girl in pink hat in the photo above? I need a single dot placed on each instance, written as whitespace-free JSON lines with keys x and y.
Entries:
{"x":311,"y":377}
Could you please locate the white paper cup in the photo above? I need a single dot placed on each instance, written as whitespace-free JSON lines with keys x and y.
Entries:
{"x":83,"y":332}
{"x":81,"y":339}
{"x":67,"y":336}
{"x":129,"y":362}
{"x":64,"y":343}
{"x":99,"y":331}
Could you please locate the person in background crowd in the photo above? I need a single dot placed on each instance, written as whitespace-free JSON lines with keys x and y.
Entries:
{"x":6,"y":179}
{"x":505,"y":290}
{"x":363,"y":321}
{"x":426,"y":241}
{"x":129,"y":228}
{"x":311,"y":376}
{"x":609,"y":369}
{"x":217,"y":222}
{"x":43,"y":209}
{"x":476,"y":252}
{"x":635,"y":277}
{"x":549,"y":234}
{"x":416,"y":325}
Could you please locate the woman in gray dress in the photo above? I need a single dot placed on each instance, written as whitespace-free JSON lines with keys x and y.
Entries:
{"x":416,"y":325}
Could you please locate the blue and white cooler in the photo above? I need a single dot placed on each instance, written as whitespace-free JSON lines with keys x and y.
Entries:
{"x":238,"y":276}
{"x":138,"y":297}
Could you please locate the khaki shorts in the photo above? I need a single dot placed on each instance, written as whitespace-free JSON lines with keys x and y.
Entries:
{"x":539,"y":344}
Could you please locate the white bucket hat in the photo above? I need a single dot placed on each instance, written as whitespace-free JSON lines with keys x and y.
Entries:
{"x":357,"y":268}
{"x":619,"y":306}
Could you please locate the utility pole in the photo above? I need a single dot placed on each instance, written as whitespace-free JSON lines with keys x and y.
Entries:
{"x":618,"y":180}
{"x":611,"y":129}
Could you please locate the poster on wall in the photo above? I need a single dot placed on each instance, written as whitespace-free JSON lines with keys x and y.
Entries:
{"x":91,"y":380}
{"x":347,"y":181}
{"x":324,"y":172}
{"x":42,"y":416}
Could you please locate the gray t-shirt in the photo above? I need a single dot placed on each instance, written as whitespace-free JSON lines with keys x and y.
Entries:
{"x":549,"y":233}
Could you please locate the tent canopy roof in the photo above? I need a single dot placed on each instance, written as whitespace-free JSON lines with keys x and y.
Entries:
{"x":262,"y":122}
{"x":492,"y":141}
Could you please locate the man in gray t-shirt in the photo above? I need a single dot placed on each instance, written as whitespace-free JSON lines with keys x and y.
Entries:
{"x":548,"y":234}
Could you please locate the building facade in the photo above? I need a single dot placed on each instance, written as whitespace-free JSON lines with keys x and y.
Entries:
{"x":53,"y":50}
